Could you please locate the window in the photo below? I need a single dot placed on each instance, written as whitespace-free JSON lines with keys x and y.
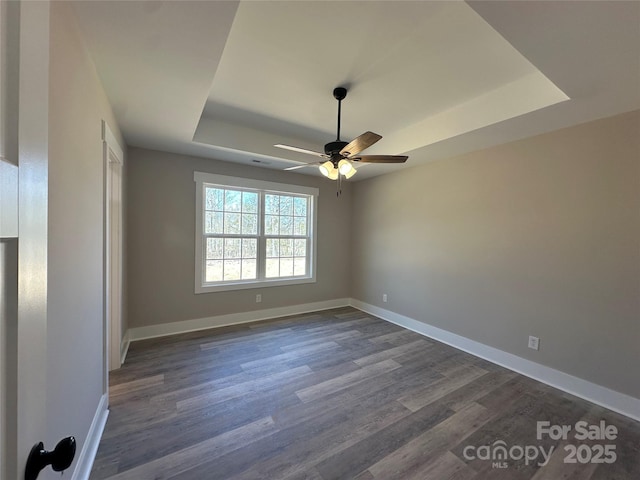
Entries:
{"x":251,"y":233}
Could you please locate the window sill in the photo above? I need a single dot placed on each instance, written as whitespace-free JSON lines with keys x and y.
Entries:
{"x":254,"y":284}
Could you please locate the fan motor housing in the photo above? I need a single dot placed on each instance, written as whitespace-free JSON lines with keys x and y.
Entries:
{"x":333,"y":148}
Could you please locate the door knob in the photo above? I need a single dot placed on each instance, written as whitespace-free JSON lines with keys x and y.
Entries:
{"x":59,"y":458}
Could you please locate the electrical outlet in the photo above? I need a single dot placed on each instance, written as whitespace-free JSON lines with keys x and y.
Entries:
{"x":258,"y":298}
{"x":384,"y":297}
{"x":534,"y":343}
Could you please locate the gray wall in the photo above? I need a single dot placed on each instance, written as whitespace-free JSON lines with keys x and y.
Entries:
{"x":77,"y":105}
{"x":161,"y":242}
{"x":537,"y":237}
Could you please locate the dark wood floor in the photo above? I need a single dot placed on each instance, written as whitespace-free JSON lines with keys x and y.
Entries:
{"x":337,"y":394}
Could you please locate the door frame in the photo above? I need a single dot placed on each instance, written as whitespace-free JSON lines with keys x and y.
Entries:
{"x":113,"y":258}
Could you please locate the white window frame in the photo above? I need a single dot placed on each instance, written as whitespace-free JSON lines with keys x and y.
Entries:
{"x":202,"y":180}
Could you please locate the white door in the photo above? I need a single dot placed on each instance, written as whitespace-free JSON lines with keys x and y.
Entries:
{"x":24,"y":259}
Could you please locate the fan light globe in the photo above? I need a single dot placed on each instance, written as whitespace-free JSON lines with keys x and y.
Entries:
{"x":326,"y":168}
{"x":350,"y":173}
{"x":345,"y":167}
{"x":333,"y":174}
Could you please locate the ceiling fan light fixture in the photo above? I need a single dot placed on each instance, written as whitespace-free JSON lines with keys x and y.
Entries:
{"x":345,"y":167}
{"x":326,"y":168}
{"x":342,"y":154}
{"x":350,"y":173}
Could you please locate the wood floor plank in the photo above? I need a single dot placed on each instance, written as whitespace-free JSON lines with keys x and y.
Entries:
{"x":293,"y":354}
{"x":137,"y":415}
{"x":349,"y":351}
{"x":194,"y":425}
{"x":286,"y":438}
{"x":445,"y":467}
{"x":305,"y":319}
{"x":515,"y":424}
{"x":337,"y":326}
{"x":417,"y":400}
{"x":476,"y":389}
{"x":398,"y":337}
{"x":340,"y":383}
{"x":234,"y":391}
{"x":135,"y":385}
{"x":370,"y":395}
{"x":321,"y":337}
{"x":183,"y":460}
{"x":435,"y":354}
{"x":366,"y":475}
{"x":311,"y":474}
{"x":409,"y":458}
{"x":356,"y":459}
{"x":558,"y":468}
{"x":304,"y":455}
{"x":390,"y":353}
{"x":243,"y":339}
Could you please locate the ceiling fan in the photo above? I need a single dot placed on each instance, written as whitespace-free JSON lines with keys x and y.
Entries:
{"x":340,"y":154}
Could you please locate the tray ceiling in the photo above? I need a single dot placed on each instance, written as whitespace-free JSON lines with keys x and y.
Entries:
{"x":228,"y":80}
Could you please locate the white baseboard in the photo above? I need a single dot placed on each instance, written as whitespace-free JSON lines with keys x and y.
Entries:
{"x":605,"y":397}
{"x":173,"y":328}
{"x":91,"y":443}
{"x":124,"y":347}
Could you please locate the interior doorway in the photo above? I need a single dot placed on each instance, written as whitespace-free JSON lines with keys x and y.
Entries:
{"x":113,"y":163}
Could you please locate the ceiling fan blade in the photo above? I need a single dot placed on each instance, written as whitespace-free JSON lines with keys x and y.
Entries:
{"x":380,"y":158}
{"x":314,"y":164}
{"x":301,"y":150}
{"x":358,"y":144}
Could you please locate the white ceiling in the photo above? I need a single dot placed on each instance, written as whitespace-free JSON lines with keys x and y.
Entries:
{"x":228,"y":80}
